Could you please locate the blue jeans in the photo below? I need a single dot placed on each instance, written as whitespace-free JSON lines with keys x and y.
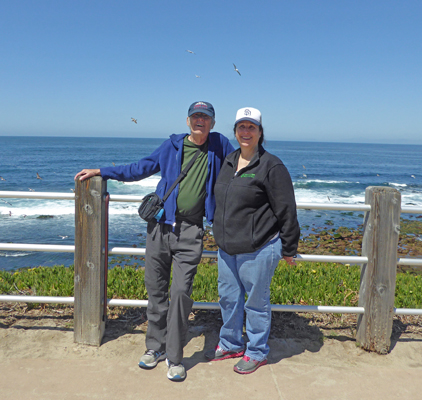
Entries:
{"x":249,"y":274}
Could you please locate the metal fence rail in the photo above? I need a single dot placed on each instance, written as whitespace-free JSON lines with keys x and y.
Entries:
{"x":199,"y":305}
{"x":205,"y":254}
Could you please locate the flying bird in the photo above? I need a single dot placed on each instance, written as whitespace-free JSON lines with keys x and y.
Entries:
{"x":10,"y":213}
{"x":113,"y":164}
{"x":412,"y":176}
{"x":63,"y":237}
{"x":2,"y":179}
{"x":134,"y":120}
{"x":303,"y":167}
{"x":31,"y":190}
{"x":190,"y":51}
{"x":72,"y":190}
{"x":235,"y":68}
{"x":6,"y":202}
{"x":197,"y":76}
{"x":38,"y":176}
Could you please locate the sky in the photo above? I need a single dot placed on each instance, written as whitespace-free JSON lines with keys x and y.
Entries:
{"x":326,"y":70}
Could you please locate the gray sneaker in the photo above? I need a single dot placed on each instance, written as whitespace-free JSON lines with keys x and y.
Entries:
{"x":246,"y":365}
{"x":220,"y":354}
{"x":151,"y":358}
{"x":176,"y":372}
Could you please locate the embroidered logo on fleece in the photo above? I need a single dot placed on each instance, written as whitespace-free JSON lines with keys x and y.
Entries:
{"x":247,"y":176}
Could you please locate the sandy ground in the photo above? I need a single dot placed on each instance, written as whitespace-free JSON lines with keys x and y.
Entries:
{"x":311,"y":358}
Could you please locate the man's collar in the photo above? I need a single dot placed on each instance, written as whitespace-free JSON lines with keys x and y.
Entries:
{"x":199,"y":141}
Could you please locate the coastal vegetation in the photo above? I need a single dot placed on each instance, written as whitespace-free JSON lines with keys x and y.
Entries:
{"x":307,"y":283}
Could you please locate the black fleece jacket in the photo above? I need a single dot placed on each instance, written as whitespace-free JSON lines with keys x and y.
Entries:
{"x":255,"y":205}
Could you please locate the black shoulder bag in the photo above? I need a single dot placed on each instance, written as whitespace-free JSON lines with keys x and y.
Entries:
{"x":152,"y":205}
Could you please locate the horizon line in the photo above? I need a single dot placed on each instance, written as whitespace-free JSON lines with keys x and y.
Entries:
{"x":166,"y":137}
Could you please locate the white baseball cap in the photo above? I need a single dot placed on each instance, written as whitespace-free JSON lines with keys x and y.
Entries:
{"x":248,"y":114}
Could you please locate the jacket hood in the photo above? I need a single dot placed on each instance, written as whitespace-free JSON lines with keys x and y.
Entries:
{"x":177,"y":139}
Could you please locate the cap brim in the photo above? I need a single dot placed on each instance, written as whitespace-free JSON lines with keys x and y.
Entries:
{"x":254,"y":121}
{"x":209,"y":113}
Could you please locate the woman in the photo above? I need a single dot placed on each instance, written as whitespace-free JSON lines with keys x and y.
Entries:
{"x":255,"y":224}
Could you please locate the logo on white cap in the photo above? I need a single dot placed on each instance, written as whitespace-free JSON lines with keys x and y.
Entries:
{"x":248,"y":114}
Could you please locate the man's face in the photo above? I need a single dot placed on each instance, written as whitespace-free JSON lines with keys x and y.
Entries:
{"x":200,"y":123}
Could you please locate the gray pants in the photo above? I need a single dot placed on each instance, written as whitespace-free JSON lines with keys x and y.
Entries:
{"x":182,"y":246}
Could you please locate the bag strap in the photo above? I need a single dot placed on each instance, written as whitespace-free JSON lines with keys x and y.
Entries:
{"x":182,"y":175}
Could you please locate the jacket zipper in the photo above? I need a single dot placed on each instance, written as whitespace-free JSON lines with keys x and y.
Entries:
{"x":225,"y":202}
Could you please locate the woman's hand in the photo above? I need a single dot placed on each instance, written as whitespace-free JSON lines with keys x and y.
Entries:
{"x":87,"y":173}
{"x":289,"y":260}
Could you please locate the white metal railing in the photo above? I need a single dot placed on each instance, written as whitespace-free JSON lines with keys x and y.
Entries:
{"x":206,"y":306}
{"x":37,"y":195}
{"x":206,"y":254}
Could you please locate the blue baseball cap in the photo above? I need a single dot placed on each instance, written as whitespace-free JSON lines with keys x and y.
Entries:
{"x":201,"y":107}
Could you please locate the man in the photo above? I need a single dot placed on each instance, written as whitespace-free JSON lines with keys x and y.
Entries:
{"x":177,"y":237}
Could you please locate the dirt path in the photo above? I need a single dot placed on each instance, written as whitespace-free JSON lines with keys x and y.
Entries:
{"x":312,"y":357}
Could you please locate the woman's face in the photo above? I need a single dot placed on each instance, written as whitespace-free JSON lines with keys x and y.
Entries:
{"x":247,"y":134}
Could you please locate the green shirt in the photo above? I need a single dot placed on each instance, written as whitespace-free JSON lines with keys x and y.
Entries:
{"x":192,"y":192}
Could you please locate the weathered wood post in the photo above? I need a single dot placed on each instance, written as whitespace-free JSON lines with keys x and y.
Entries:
{"x":378,"y":276}
{"x":90,"y":257}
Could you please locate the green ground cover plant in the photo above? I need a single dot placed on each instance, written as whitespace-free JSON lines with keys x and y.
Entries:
{"x":328,"y":284}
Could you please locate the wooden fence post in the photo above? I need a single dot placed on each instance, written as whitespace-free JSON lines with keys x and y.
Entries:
{"x":90,"y":257}
{"x":378,"y":276}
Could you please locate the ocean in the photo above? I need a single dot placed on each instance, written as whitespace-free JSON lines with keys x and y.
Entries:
{"x":321,"y":173}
